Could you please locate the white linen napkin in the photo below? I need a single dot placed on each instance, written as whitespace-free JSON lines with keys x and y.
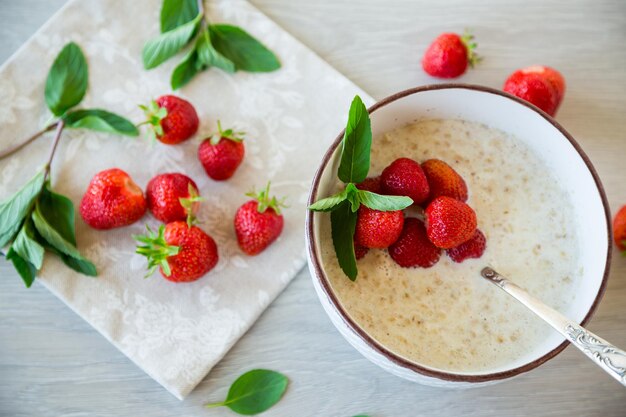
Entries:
{"x":175,"y":332}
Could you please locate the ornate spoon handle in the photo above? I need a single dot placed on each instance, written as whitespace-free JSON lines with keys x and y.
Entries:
{"x":604,"y":354}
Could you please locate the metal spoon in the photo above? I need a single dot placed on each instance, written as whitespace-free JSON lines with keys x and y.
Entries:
{"x":604,"y":354}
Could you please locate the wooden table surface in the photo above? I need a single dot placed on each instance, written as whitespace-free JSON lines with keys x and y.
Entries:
{"x":52,"y":363}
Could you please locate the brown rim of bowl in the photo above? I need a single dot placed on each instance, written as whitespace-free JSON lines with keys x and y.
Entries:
{"x":398,"y":360}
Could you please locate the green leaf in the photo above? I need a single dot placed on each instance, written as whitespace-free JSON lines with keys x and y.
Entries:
{"x":175,"y":13}
{"x":166,"y":45}
{"x":27,"y":247}
{"x":254,"y":392}
{"x":26,"y":270}
{"x":186,"y":70}
{"x":67,"y":80}
{"x":54,"y":220}
{"x":343,"y":223}
{"x":100,"y":120}
{"x":208,"y":56}
{"x":79,"y":264}
{"x":356,"y":144}
{"x":247,"y":53}
{"x":329,"y":203}
{"x":17,"y":207}
{"x":383,"y":202}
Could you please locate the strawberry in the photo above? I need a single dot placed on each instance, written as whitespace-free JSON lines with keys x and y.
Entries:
{"x":413,"y":247}
{"x":473,"y":248}
{"x":449,"y":54}
{"x":372,"y":184}
{"x":112,"y":200}
{"x":449,"y":222}
{"x":173,"y":197}
{"x":619,"y":229}
{"x":552,"y":76}
{"x":221,"y":154}
{"x":173,"y":120}
{"x":533,"y":88}
{"x":377,"y":229}
{"x":258,"y":222}
{"x":360,"y":251}
{"x":443,"y":180}
{"x":405,"y":177}
{"x":182,"y":253}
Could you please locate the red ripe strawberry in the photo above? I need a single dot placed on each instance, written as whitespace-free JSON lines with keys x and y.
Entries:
{"x":258,"y":222}
{"x":473,"y":248}
{"x":449,"y":54}
{"x":173,"y":197}
{"x":378,"y":229}
{"x":619,"y":229}
{"x":405,"y":177}
{"x":372,"y":184}
{"x":449,"y":222}
{"x":552,"y":76}
{"x":533,"y":88}
{"x":112,"y":200}
{"x":360,"y":251}
{"x":221,"y":154}
{"x":173,"y":120}
{"x":182,"y":253}
{"x":413,"y":247}
{"x":443,"y":180}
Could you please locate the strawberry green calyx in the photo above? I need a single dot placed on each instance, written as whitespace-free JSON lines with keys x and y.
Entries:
{"x":470,"y":43}
{"x":189,"y":203}
{"x":156,"y":249}
{"x":265,"y":201}
{"x":155,"y":114}
{"x":229,"y":134}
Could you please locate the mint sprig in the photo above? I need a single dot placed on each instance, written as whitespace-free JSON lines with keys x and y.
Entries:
{"x":353,"y":168}
{"x":36,"y":220}
{"x":254,"y":392}
{"x":223,"y":46}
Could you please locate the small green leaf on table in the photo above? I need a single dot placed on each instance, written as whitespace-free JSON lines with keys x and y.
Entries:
{"x":166,"y":45}
{"x":254,"y":392}
{"x":356,"y":144}
{"x":101,"y":121}
{"x":343,"y":223}
{"x":17,"y":207}
{"x":26,"y":270}
{"x":67,"y":80}
{"x":247,"y":53}
{"x":175,"y":13}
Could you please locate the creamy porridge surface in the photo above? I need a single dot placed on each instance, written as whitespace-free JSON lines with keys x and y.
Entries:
{"x":447,"y":317}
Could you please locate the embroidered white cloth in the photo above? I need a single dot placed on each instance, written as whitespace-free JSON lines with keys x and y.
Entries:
{"x":174,"y":332}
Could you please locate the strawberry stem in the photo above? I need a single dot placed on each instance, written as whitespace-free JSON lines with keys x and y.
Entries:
{"x":265,"y":201}
{"x":156,"y":250}
{"x":229,"y":134}
{"x":470,"y":44}
{"x":188,"y":204}
{"x":154,"y":114}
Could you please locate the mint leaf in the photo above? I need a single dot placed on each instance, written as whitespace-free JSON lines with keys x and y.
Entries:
{"x":208,"y":56}
{"x":383,"y":202}
{"x":343,"y":223}
{"x":58,"y":211}
{"x":26,"y":245}
{"x":17,"y":207}
{"x":329,"y":203}
{"x":46,"y":217}
{"x":79,"y":264}
{"x":254,"y":392}
{"x":356,"y":144}
{"x":175,"y":13}
{"x":166,"y":45}
{"x":67,"y":80}
{"x":26,"y":270}
{"x":186,"y":70}
{"x":247,"y":53}
{"x":101,"y":121}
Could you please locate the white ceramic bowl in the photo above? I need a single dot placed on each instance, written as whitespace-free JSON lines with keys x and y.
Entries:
{"x":542,"y":134}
